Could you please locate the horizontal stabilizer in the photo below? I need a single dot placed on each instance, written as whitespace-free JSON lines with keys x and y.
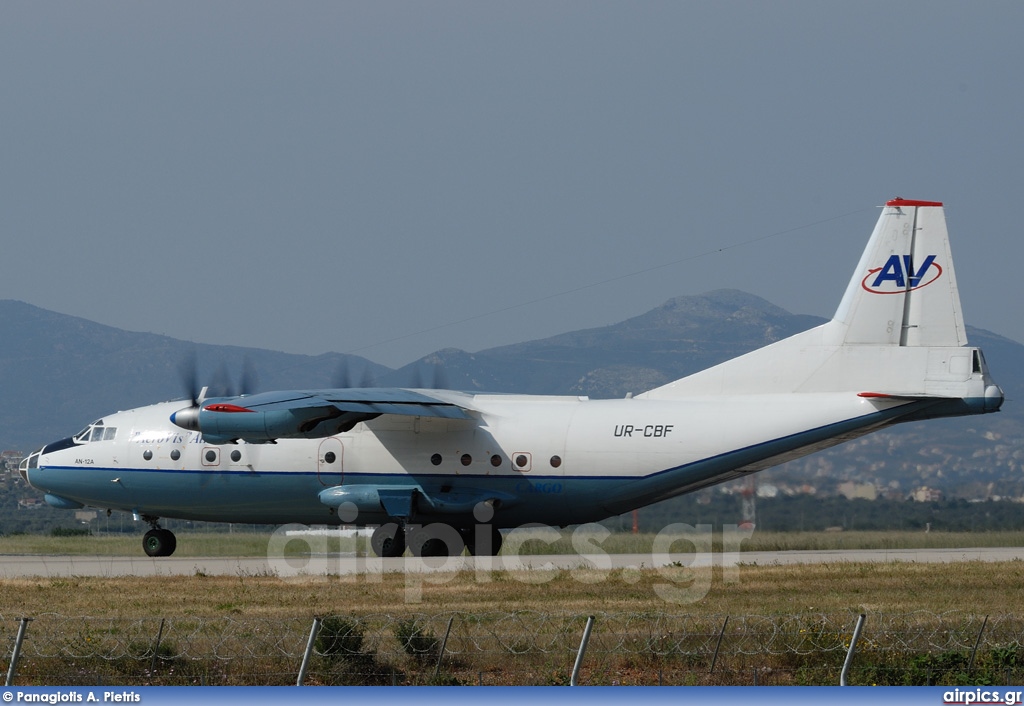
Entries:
{"x":897,"y":396}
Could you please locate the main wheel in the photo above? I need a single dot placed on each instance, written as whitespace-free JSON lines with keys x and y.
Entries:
{"x":159,"y":542}
{"x":436,"y":539}
{"x":488,"y":548}
{"x":388,"y":540}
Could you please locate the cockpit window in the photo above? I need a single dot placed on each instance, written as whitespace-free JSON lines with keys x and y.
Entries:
{"x":96,"y":432}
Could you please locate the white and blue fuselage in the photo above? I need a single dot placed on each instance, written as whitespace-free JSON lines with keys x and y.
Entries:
{"x":553,"y":460}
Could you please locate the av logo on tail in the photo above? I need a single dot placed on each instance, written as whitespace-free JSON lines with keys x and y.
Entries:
{"x":898,"y":275}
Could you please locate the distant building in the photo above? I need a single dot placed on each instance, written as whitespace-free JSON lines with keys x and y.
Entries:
{"x":10,"y":460}
{"x":852,"y":490}
{"x":924,"y":494}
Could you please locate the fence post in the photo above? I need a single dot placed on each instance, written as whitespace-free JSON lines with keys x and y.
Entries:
{"x":853,"y":647}
{"x":718,"y":645}
{"x":970,"y":665}
{"x":574,"y":679}
{"x":16,"y":652}
{"x":156,"y":647}
{"x":309,"y":652}
{"x":444,"y":643}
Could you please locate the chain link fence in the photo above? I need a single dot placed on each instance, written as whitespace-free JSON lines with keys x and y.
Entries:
{"x":517,"y":648}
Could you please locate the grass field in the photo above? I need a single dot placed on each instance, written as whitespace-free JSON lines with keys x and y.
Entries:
{"x":255,"y":544}
{"x":787,"y":624}
{"x":978,"y":587}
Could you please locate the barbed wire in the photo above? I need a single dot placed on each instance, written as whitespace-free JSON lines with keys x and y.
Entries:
{"x":509,"y":647}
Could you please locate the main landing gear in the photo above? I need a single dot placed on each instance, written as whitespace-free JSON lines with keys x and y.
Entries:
{"x":158,"y":541}
{"x":388,"y":540}
{"x":437,"y":539}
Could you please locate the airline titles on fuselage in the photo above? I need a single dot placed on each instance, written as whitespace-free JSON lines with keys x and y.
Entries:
{"x":162,"y":436}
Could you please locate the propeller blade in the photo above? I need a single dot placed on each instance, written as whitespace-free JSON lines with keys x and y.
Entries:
{"x":249,"y":382}
{"x":189,"y":374}
{"x":220,"y":382}
{"x":440,"y":378}
{"x":342,"y":379}
{"x":343,"y":376}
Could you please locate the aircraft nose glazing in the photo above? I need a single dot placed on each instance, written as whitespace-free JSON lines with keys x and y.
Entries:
{"x":58,"y":445}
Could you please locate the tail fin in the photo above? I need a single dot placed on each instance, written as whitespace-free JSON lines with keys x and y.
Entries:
{"x":904,"y":289}
{"x":898,"y":330}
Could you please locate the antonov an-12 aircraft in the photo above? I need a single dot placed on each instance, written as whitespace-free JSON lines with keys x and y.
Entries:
{"x":437,"y":471}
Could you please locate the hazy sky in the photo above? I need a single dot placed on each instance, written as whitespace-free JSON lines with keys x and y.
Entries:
{"x":394,"y":178}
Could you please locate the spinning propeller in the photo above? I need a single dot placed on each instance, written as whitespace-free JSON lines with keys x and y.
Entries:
{"x":343,"y":376}
{"x":438,"y":379}
{"x":220,"y":387}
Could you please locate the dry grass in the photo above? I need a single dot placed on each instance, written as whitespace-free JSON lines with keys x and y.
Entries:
{"x":251,"y":629}
{"x":975,"y":587}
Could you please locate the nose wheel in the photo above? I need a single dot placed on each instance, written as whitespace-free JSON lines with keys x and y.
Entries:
{"x":159,"y":542}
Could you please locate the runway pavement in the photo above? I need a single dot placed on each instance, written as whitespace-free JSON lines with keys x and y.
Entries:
{"x":24,"y":566}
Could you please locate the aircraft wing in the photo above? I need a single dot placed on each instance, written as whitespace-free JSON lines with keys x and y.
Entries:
{"x":363,"y":400}
{"x":311,"y":414}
